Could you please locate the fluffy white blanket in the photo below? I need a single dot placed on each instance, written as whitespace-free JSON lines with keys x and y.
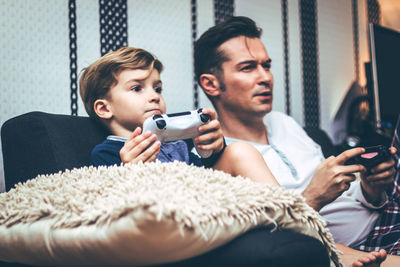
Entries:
{"x":142,"y":214}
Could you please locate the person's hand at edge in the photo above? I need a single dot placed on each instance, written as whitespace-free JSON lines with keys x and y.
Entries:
{"x":376,"y":180}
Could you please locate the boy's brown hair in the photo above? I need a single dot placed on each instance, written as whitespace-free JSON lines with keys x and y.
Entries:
{"x":98,"y":78}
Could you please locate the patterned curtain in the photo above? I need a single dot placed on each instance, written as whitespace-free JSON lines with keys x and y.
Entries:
{"x":113,"y":25}
{"x":310,"y":63}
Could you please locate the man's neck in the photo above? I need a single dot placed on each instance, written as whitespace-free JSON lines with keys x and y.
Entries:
{"x":252,"y":130}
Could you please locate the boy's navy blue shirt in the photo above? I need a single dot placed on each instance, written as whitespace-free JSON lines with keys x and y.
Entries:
{"x":107,"y":153}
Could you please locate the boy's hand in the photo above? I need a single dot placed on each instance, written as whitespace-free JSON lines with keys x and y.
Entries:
{"x":210,"y":137}
{"x":140,"y":147}
{"x":378,"y":179}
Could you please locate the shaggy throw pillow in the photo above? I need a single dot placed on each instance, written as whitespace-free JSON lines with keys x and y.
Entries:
{"x":142,"y":214}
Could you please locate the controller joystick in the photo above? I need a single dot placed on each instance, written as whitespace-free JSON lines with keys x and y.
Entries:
{"x":178,"y":126}
{"x":204,"y":118}
{"x":160,"y":122}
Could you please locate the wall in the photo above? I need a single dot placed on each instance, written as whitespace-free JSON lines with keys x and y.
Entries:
{"x":35,"y":50}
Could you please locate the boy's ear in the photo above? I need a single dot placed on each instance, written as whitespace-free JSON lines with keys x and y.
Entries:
{"x":102,"y":109}
{"x":210,"y":84}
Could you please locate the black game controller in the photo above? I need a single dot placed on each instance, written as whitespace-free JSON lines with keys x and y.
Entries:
{"x":371,"y":157}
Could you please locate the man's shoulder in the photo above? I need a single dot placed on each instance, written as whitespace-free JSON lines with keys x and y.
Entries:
{"x":281,"y":126}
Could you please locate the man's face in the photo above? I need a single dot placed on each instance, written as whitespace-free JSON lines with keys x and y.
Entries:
{"x":246,"y":77}
{"x":135,"y":97}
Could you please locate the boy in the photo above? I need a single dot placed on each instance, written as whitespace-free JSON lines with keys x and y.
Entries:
{"x":122,"y":89}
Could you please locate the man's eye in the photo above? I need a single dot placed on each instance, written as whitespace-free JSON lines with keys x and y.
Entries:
{"x":136,"y":88}
{"x":158,"y":90}
{"x":267,"y":66}
{"x":248,"y":67}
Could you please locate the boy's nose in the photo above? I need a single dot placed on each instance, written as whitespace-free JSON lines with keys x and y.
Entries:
{"x":154,"y":97}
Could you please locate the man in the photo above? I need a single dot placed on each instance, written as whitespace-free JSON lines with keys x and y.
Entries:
{"x":233,"y":68}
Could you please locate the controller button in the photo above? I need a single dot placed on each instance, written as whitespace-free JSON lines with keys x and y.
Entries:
{"x":161,"y":124}
{"x":204,"y":117}
{"x":158,"y":116}
{"x":369,"y":155}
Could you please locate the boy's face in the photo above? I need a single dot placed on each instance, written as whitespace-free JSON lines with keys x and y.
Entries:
{"x":135,"y":97}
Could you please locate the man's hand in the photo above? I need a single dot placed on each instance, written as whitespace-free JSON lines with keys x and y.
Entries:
{"x":332,"y":178}
{"x":210,"y":137}
{"x":140,"y":147}
{"x":378,"y":179}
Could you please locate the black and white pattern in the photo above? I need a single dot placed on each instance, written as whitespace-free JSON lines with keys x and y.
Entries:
{"x":310,"y":63}
{"x":73,"y":57}
{"x":285,"y":23}
{"x":374,"y":12}
{"x":194,"y":37}
{"x":356,"y":45}
{"x":223,"y":9}
{"x":113,"y":25}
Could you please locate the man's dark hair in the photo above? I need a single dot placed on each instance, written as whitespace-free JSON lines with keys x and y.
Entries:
{"x":207,"y":56}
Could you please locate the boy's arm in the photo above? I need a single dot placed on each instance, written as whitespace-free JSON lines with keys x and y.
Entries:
{"x":106,"y":154}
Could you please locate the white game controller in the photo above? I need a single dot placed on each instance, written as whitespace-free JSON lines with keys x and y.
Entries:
{"x":178,"y":126}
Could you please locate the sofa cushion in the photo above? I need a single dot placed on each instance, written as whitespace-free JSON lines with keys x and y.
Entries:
{"x":142,"y":214}
{"x":38,"y":142}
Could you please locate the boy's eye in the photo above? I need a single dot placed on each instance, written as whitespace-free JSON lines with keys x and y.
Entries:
{"x":158,"y":90}
{"x":136,"y":88}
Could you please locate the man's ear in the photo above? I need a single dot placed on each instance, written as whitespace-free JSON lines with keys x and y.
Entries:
{"x":102,"y":109}
{"x":210,"y":84}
